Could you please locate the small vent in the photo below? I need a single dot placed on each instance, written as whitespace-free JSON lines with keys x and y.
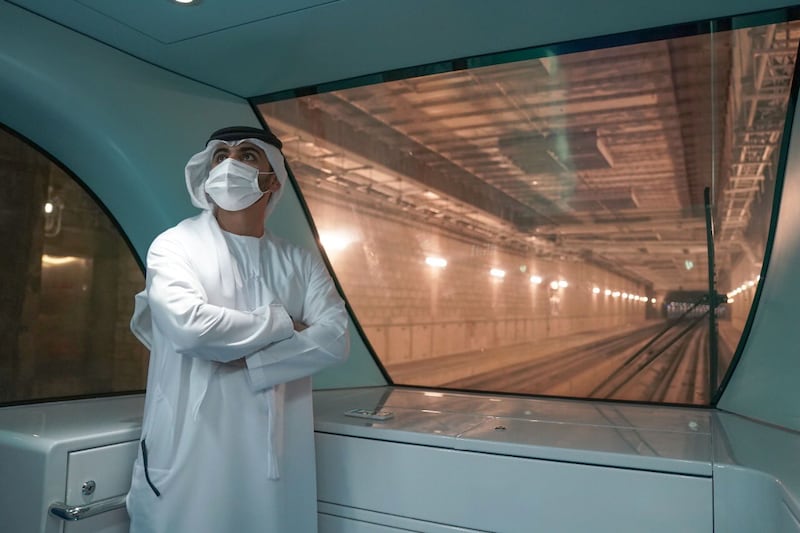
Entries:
{"x":556,"y":153}
{"x":614,"y":199}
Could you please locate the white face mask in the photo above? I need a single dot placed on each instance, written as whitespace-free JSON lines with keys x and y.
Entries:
{"x":233,"y":185}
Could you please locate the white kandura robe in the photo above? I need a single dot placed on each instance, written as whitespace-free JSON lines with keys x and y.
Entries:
{"x":230,"y":448}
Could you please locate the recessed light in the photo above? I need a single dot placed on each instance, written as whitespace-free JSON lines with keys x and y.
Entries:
{"x":186,"y":2}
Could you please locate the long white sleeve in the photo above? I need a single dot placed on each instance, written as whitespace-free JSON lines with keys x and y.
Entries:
{"x":181,"y":311}
{"x":324,"y":343}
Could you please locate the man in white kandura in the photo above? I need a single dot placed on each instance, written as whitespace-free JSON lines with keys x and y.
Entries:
{"x":236,"y":321}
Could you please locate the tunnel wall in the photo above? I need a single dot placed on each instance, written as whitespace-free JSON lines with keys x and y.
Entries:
{"x":411,"y":311}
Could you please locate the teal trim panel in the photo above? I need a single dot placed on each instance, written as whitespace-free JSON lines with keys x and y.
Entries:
{"x":124,"y":127}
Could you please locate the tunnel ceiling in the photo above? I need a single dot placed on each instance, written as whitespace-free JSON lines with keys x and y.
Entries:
{"x":599,"y":155}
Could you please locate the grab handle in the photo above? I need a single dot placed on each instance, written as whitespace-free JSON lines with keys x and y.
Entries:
{"x":79,"y":512}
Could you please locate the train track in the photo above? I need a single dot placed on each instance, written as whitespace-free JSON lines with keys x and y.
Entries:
{"x":640,"y":366}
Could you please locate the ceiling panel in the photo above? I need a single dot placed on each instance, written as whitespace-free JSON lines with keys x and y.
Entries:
{"x":170,"y":22}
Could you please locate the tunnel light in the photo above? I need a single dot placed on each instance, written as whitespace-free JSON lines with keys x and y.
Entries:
{"x":607,"y":292}
{"x":615,"y":294}
{"x":497,"y":273}
{"x":554,"y":285}
{"x":563,"y":283}
{"x":433,"y":394}
{"x":334,"y":241}
{"x":596,"y":290}
{"x":436,"y":262}
{"x":55,"y":260}
{"x":536,"y":280}
{"x":652,"y":300}
{"x":48,"y":207}
{"x":624,"y":295}
{"x":751,"y":283}
{"x":730,"y":300}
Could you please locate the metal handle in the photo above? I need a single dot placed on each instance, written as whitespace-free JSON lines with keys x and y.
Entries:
{"x":79,"y":512}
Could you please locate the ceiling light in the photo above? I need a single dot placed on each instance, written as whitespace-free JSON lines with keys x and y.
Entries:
{"x":497,"y":273}
{"x":185,"y":2}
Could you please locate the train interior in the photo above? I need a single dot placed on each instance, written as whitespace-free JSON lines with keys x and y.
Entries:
{"x":565,"y":236}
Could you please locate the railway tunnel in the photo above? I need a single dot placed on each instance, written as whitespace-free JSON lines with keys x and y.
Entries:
{"x":523,"y":227}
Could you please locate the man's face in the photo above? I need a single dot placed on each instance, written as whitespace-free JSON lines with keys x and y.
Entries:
{"x":251,"y":155}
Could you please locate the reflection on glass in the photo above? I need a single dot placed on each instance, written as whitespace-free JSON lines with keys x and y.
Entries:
{"x":562,"y":198}
{"x":68,"y":280}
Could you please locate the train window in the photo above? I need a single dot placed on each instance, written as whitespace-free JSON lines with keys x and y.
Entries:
{"x":537,"y":224}
{"x":68,"y":284}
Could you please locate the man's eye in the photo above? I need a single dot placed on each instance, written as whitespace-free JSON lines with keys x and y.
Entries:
{"x":248,"y":157}
{"x":219,"y":158}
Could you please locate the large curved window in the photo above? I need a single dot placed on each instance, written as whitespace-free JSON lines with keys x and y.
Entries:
{"x":539,"y":226}
{"x":68,"y":280}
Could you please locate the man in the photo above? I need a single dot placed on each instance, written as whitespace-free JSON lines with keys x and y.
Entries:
{"x":236,"y":321}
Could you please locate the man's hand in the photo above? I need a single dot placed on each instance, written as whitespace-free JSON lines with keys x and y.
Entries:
{"x":298,"y":326}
